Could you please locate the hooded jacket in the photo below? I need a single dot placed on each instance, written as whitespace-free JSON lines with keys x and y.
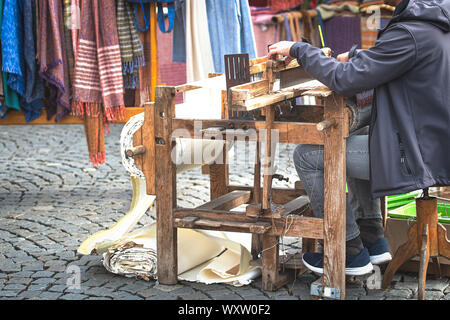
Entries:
{"x":409,"y":68}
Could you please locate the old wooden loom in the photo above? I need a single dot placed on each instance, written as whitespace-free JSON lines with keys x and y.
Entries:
{"x":270,"y":213}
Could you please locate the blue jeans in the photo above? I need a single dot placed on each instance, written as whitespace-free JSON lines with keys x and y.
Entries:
{"x":308,"y":160}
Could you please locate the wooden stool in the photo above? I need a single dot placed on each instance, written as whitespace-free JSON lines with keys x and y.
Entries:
{"x":427,"y":238}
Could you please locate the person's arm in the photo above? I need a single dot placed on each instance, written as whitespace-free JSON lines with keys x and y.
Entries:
{"x":393,"y":54}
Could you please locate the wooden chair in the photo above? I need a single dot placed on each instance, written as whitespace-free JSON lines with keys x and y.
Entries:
{"x":427,"y":238}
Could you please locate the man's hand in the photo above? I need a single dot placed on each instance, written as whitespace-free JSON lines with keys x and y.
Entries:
{"x":343,"y":57}
{"x":283,"y":48}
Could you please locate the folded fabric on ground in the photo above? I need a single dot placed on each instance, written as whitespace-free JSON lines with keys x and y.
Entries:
{"x":207,"y":257}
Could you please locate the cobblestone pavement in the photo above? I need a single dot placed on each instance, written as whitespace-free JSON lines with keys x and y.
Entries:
{"x":51,"y":199}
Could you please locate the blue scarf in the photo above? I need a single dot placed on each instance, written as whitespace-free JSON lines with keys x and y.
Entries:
{"x":18,"y":51}
{"x":12,"y":45}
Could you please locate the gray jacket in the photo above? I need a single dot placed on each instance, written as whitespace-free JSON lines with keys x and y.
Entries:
{"x":409,"y":68}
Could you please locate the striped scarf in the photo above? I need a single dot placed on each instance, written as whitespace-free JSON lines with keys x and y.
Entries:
{"x":98,"y":84}
{"x":130,"y":45}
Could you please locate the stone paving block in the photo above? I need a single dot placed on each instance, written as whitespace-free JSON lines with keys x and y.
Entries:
{"x":50,"y":295}
{"x":430,"y":295}
{"x":163,"y":297}
{"x":43,"y":281}
{"x":58,"y":288}
{"x":73,"y":296}
{"x":33,"y":266}
{"x":136,"y":287}
{"x":29,"y":294}
{"x":408,"y":285}
{"x":17,"y":280}
{"x":437,"y":285}
{"x":228,"y":297}
{"x":15,"y":287}
{"x":7,"y":265}
{"x":9,"y":293}
{"x":256,"y":297}
{"x":42,"y":274}
{"x":398,"y":293}
{"x":148,"y":293}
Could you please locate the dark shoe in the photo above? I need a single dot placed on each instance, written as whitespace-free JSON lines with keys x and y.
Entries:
{"x":379,"y":252}
{"x":354,"y":265}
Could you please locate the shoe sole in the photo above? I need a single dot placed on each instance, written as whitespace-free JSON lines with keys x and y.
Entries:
{"x":368,"y":268}
{"x":381,"y":258}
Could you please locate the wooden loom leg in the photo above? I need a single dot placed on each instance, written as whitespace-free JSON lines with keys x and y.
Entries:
{"x":256,"y":196}
{"x":404,"y":253}
{"x":424,"y":259}
{"x":165,"y":188}
{"x":271,"y":280}
{"x":268,"y":158}
{"x":218,"y":173}
{"x":334,"y":196}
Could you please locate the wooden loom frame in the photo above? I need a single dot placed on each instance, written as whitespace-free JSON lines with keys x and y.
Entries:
{"x":268,"y":208}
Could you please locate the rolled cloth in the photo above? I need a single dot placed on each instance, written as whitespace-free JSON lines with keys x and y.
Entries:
{"x":98,"y":83}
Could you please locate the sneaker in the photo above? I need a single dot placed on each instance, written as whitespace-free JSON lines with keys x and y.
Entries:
{"x":379,"y":252}
{"x":354,"y":265}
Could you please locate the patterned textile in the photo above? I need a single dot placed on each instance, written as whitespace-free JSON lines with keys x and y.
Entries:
{"x":130,"y":45}
{"x":98,"y":82}
{"x":52,"y":59}
{"x":12,"y":45}
{"x":11,"y":99}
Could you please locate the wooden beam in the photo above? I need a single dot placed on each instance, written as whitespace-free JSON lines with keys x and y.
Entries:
{"x":289,"y":226}
{"x":334,"y":196}
{"x":288,"y":132}
{"x":279,"y":195}
{"x":310,"y":88}
{"x":228,"y":201}
{"x":249,"y":90}
{"x":18,"y":118}
{"x":295,"y":206}
{"x":166,"y":233}
{"x":230,"y":226}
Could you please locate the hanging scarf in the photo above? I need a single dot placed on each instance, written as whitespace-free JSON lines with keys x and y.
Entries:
{"x":130,"y":45}
{"x":98,"y":83}
{"x":52,"y":59}
{"x":12,"y":50}
{"x":68,"y":38}
{"x":11,"y":99}
{"x":32,"y":101}
{"x":75,"y":23}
